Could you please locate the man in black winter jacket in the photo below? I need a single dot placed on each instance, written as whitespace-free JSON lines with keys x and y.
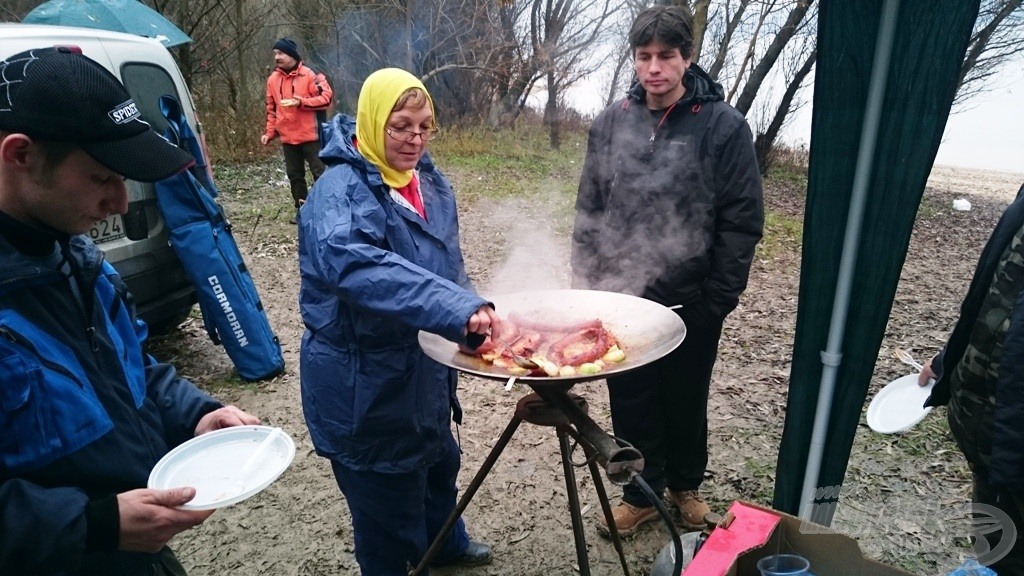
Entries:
{"x":669,"y":208}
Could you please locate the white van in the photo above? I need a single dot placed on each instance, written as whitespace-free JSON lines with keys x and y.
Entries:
{"x":136,"y":243}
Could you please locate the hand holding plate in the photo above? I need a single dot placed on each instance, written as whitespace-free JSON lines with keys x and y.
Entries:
{"x":150,"y":518}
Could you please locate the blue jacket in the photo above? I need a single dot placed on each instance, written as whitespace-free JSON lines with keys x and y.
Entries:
{"x":84,"y":413}
{"x":373,"y":275}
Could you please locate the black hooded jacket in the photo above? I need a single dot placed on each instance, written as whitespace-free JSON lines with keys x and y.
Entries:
{"x":670,"y":205}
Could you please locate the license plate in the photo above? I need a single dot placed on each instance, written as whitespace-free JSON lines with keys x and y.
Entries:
{"x":110,"y":228}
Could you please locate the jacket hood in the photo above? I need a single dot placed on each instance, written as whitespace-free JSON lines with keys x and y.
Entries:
{"x":88,"y":259}
{"x":700,"y":88}
{"x":339,"y":149}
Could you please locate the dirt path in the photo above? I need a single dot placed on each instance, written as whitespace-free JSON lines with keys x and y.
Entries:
{"x":300,"y":524}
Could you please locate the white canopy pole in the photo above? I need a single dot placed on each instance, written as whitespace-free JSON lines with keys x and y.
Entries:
{"x":833,"y":354}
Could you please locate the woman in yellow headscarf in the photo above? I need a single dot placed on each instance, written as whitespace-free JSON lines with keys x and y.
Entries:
{"x":380,"y":260}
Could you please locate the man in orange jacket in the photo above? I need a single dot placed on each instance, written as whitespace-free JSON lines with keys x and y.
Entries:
{"x":294,"y":96}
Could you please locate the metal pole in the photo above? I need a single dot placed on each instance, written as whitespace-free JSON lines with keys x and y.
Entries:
{"x":572,"y":494}
{"x":832,"y":355}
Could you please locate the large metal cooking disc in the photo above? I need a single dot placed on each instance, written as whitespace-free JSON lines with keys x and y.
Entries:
{"x":646,"y":330}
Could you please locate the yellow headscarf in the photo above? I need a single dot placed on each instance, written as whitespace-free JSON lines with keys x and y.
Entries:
{"x":378,"y":96}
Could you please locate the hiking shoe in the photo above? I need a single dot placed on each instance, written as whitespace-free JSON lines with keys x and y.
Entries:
{"x":691,"y":508}
{"x":475,"y":554}
{"x":627,"y":519}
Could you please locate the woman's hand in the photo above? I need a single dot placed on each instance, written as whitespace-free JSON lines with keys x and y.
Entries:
{"x":484,"y":321}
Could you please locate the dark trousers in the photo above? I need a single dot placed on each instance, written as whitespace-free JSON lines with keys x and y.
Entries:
{"x":395,"y":517}
{"x":163,"y":563}
{"x":296,"y":156}
{"x":1010,"y":554}
{"x":169,"y":565}
{"x":661,"y":409}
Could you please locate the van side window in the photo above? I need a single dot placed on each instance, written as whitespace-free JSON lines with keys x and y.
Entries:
{"x":147,"y":83}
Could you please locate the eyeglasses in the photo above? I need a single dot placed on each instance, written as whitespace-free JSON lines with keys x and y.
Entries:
{"x":410,"y":136}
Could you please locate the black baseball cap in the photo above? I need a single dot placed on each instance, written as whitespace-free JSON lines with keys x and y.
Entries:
{"x":61,"y":95}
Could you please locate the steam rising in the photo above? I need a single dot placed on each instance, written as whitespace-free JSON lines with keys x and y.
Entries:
{"x":643,"y":235}
{"x":655,"y":220}
{"x":537,"y":257}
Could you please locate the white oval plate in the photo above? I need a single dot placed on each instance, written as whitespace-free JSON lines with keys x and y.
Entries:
{"x":212,"y":464}
{"x":899,"y":405}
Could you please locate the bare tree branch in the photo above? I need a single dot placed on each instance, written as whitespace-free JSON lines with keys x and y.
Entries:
{"x":759,"y":73}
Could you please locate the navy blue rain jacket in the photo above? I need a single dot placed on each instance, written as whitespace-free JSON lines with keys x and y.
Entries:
{"x":373,"y":275}
{"x":84,"y":413}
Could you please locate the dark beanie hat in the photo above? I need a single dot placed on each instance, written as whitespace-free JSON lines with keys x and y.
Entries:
{"x":289,"y":47}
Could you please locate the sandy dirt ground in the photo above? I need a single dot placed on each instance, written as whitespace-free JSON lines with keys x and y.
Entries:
{"x":899,"y":489}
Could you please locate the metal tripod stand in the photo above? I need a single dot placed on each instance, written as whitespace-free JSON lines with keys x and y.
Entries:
{"x":553,"y":405}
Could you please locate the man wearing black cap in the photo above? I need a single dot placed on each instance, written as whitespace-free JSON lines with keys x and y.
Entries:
{"x":295,"y":95}
{"x":85,"y":413}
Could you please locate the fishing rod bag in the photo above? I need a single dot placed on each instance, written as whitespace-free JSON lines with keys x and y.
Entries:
{"x":201,"y":237}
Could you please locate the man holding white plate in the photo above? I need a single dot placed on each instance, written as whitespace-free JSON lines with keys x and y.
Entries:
{"x":980,"y":374}
{"x":85,"y":413}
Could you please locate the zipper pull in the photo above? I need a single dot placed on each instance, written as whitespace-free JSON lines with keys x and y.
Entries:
{"x":91,"y":333}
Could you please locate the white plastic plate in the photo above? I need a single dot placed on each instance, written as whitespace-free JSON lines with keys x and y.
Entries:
{"x":899,"y":406}
{"x":217,"y":464}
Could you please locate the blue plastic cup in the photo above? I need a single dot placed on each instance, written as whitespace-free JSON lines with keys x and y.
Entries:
{"x":784,"y":565}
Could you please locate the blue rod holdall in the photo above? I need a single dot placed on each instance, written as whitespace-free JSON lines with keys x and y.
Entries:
{"x":201,"y":236}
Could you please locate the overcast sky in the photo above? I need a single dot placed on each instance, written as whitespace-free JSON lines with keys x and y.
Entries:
{"x":988,"y":133}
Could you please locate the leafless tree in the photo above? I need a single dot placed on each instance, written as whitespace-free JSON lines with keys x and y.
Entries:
{"x":764,"y":141}
{"x":449,"y":44}
{"x":226,"y":47}
{"x":563,"y":34}
{"x":700,"y":25}
{"x":623,"y":71}
{"x":731,"y":18}
{"x":772,"y":54}
{"x":998,"y":37}
{"x":484,"y":58}
{"x":754,"y":40}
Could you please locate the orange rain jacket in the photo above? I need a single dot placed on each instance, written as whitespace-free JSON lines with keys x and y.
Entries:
{"x":296,"y":124}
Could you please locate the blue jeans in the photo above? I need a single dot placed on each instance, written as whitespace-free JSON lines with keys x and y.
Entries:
{"x":395,"y":517}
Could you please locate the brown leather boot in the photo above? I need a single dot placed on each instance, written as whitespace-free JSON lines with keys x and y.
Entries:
{"x":627,"y":519}
{"x":691,"y":507}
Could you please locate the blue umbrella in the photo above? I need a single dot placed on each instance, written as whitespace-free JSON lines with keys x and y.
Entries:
{"x":128,"y":16}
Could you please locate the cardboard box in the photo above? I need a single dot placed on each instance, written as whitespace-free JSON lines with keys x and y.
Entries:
{"x":755,"y":532}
